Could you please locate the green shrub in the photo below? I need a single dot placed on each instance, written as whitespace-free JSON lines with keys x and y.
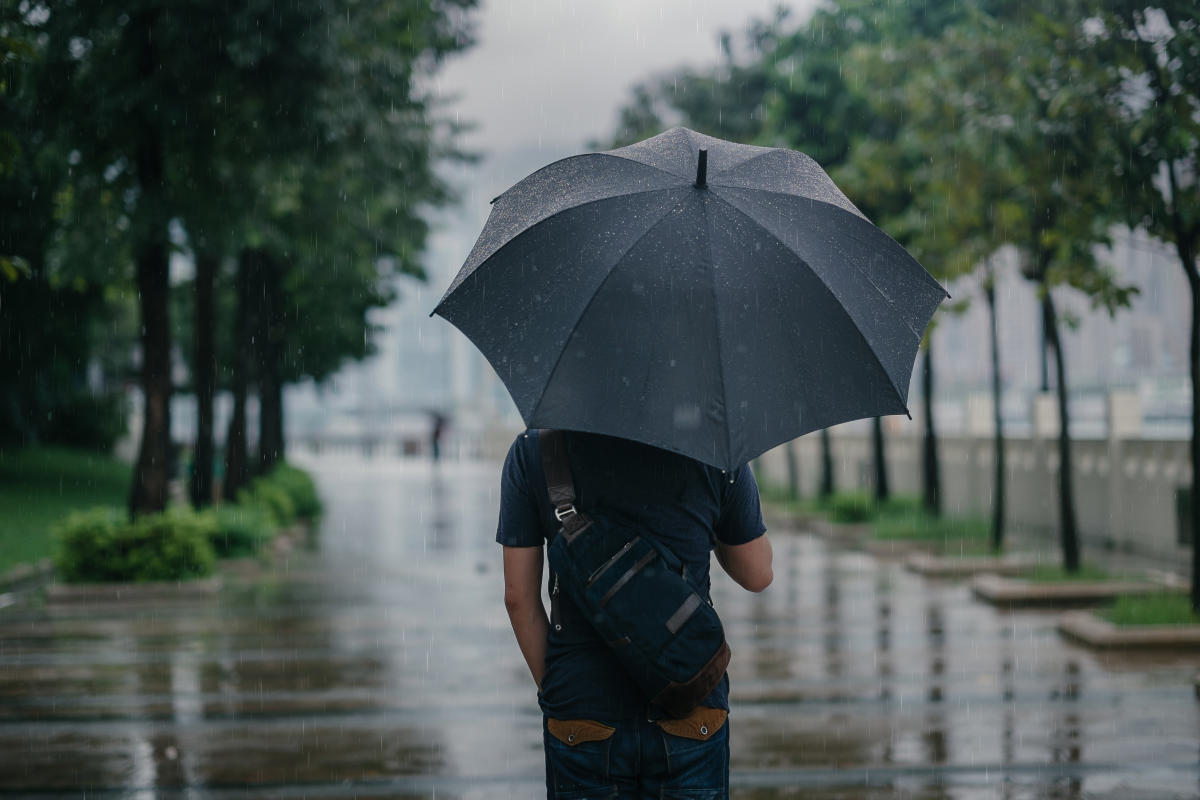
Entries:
{"x":102,"y":546}
{"x":272,"y":498}
{"x":237,"y":531}
{"x":300,"y":488}
{"x":851,"y":507}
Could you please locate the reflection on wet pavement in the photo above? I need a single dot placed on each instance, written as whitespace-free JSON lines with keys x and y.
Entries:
{"x":380,"y":664}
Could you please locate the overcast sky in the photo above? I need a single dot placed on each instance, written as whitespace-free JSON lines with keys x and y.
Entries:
{"x":546,"y":76}
{"x":556,"y":71}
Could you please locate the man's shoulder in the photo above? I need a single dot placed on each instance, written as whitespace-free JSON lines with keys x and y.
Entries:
{"x":522,"y":453}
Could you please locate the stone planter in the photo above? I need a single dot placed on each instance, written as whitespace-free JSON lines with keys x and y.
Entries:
{"x":852,"y":535}
{"x":898,"y":548}
{"x":1012,"y":592}
{"x":1095,"y":631}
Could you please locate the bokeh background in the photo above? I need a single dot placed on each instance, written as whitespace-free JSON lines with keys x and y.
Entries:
{"x":223,"y":228}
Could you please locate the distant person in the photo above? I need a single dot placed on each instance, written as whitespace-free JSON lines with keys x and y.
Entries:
{"x":436,"y":434}
{"x":602,"y":736}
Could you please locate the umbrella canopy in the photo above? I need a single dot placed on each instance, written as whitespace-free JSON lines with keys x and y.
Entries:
{"x":706,"y":297}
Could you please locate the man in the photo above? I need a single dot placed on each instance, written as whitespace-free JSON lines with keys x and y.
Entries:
{"x":603,"y":738}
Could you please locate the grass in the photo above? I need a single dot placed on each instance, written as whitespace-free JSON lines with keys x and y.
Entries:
{"x":39,"y":486}
{"x":1054,"y":573}
{"x":848,"y":503}
{"x":954,"y":535}
{"x":1152,"y":609}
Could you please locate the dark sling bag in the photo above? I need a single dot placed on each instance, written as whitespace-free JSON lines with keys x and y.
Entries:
{"x":633,"y":591}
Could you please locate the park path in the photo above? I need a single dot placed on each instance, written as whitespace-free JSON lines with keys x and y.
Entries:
{"x":379,"y":663}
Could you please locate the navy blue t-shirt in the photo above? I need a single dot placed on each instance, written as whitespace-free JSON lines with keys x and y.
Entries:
{"x":684,"y":503}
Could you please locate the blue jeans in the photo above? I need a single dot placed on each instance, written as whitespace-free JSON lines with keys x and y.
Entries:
{"x":639,"y":759}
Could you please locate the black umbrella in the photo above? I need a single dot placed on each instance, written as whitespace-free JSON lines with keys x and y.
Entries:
{"x":710,"y":298}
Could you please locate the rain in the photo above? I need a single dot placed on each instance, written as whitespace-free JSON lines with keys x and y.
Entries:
{"x":288,"y":290}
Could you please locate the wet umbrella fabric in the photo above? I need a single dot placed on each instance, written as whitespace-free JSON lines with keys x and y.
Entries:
{"x":714,"y":309}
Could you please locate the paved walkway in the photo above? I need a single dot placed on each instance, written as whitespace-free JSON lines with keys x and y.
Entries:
{"x":380,"y":664}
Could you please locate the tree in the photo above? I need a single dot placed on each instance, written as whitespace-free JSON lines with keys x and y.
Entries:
{"x":124,"y":88}
{"x":1142,"y":64}
{"x":55,"y":319}
{"x":1040,"y":128}
{"x":354,"y":216}
{"x":818,"y":102}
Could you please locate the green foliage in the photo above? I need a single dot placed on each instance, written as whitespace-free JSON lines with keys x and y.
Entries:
{"x":851,"y":507}
{"x":84,"y":420}
{"x":1153,"y":609}
{"x":102,"y":546}
{"x":235,"y":531}
{"x":300,"y":489}
{"x":271,"y":498}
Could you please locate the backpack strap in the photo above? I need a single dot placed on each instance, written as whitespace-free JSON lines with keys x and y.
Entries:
{"x":559,"y":483}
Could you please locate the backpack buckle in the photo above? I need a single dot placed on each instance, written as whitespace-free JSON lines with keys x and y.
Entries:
{"x":562,"y":513}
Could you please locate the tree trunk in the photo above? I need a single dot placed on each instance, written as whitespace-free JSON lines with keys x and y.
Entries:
{"x":204,"y":380}
{"x":151,"y":254}
{"x":1066,"y":495}
{"x":237,"y":473}
{"x":1000,"y":490}
{"x":793,"y":470}
{"x":1045,"y":353}
{"x":1188,"y":256}
{"x":931,"y":471}
{"x":270,"y":361}
{"x":152,"y":473}
{"x":882,"y":492}
{"x":827,"y":482}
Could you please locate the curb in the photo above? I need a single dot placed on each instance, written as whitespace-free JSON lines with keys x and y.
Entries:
{"x":132,"y":592}
{"x":933,"y":566}
{"x":25,"y":575}
{"x":1011,"y":592}
{"x":1095,"y":631}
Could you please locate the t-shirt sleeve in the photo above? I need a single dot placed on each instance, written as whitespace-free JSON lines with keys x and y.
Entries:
{"x":741,"y":515}
{"x":519,"y":515}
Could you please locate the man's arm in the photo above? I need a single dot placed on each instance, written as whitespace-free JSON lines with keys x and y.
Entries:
{"x":748,"y":564}
{"x":523,"y":600}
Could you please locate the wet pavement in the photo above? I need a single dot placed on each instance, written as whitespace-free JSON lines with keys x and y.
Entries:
{"x":379,"y":663}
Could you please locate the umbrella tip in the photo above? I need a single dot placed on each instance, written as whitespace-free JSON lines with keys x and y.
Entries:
{"x":702,"y":169}
{"x":908,"y":413}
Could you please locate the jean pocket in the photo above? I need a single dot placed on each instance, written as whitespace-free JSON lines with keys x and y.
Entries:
{"x":701,"y":725}
{"x":577,"y":754}
{"x":697,"y":751}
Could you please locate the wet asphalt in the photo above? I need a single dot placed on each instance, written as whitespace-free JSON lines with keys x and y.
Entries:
{"x":376,"y":660}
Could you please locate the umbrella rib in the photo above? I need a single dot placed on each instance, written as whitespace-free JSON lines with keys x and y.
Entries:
{"x":712,"y":272}
{"x":929,"y":279}
{"x":836,"y":299}
{"x":616,"y":263}
{"x":644,"y":164}
{"x":460,"y":279}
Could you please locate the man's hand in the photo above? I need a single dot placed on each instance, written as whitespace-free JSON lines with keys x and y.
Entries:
{"x":749,"y":564}
{"x":523,"y":600}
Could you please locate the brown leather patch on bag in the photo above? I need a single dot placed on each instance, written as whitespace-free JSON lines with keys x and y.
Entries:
{"x":701,"y":724}
{"x":577,"y":731}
